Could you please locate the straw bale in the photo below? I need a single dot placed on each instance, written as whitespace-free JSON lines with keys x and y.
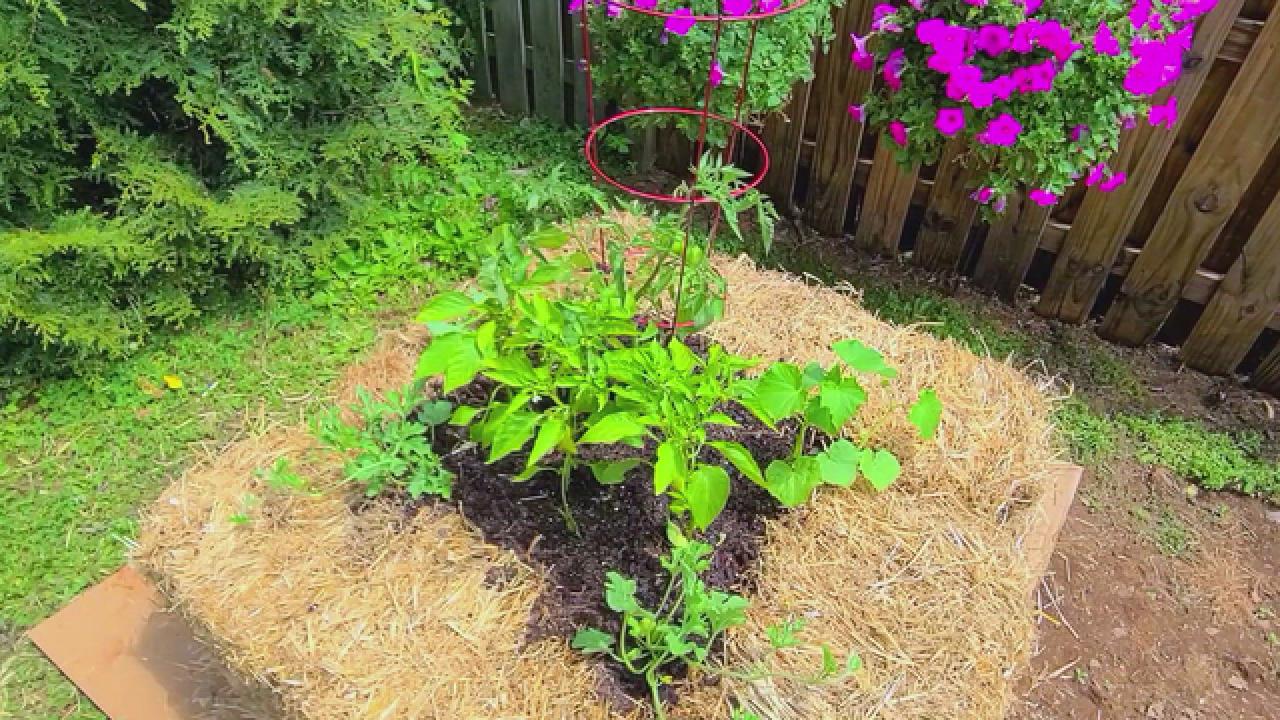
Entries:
{"x":374,"y":614}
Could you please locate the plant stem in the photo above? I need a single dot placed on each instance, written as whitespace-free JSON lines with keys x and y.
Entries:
{"x":654,"y":694}
{"x":799,"y":447}
{"x":565,"y":467}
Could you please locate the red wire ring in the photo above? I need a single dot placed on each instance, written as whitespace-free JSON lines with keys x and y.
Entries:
{"x":781,"y":10}
{"x":594,"y":161}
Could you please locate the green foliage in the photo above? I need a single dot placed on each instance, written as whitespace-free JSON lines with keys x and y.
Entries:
{"x":1215,"y":460}
{"x":826,"y":400}
{"x":685,"y":624}
{"x":724,"y":185}
{"x":390,"y":443}
{"x":638,"y":66}
{"x":149,"y":152}
{"x":1090,"y":437}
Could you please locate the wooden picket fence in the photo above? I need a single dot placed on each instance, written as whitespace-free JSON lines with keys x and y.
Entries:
{"x":1187,"y":252}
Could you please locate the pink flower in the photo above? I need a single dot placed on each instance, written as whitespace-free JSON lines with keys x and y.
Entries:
{"x":737,"y":7}
{"x":1113,"y":182}
{"x":1024,"y":36}
{"x":1056,"y":38}
{"x":862,"y":58}
{"x":898,"y":132}
{"x":717,"y":74}
{"x":858,"y":112}
{"x":962,"y":81}
{"x":1078,"y":132}
{"x":1140,"y":13}
{"x":977,"y":3}
{"x":1002,"y":131}
{"x":1000,"y":204}
{"x":1003,"y":87}
{"x":949,"y":121}
{"x":1104,"y":41}
{"x":1032,"y":6}
{"x":983,"y":195}
{"x":1157,"y":65}
{"x":919,"y":4}
{"x":1039,"y":77}
{"x":931,"y":30}
{"x":680,"y":22}
{"x":1165,"y":113}
{"x":1192,"y":9}
{"x":893,"y":66}
{"x":1096,"y":174}
{"x":882,"y":19}
{"x":1042,"y":197}
{"x":982,"y":95}
{"x":1183,"y":38}
{"x":1128,"y":122}
{"x":768,"y":6}
{"x":993,"y":39}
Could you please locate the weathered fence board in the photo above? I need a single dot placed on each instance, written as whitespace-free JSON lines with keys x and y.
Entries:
{"x":831,"y":177}
{"x":949,"y":216}
{"x":1200,"y":176}
{"x":1105,"y":220}
{"x":1240,"y":137}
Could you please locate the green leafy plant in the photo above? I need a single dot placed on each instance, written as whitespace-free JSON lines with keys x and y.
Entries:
{"x":390,"y":445}
{"x":639,"y":63}
{"x":684,"y":626}
{"x":679,"y":395}
{"x":724,"y":185}
{"x":826,"y":400}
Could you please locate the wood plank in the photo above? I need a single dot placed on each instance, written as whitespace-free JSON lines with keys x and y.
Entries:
{"x":1235,"y":145}
{"x":1246,"y":299}
{"x":579,"y":74}
{"x":1010,"y":247}
{"x":1244,"y":33}
{"x":839,"y":136}
{"x":1267,"y":376}
{"x":949,"y":215}
{"x":482,"y":87}
{"x":508,"y":40}
{"x":1106,"y":219}
{"x":545,"y":23}
{"x":783,"y":135}
{"x":885,"y":203}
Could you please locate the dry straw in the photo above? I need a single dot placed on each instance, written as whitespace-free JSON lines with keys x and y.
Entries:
{"x":373,"y":614}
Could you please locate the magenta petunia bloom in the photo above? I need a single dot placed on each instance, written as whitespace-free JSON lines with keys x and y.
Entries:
{"x":977,"y":3}
{"x":930,"y":31}
{"x":735,"y":8}
{"x":949,"y":121}
{"x":1003,"y":87}
{"x":717,"y":74}
{"x":898,"y":131}
{"x":983,"y":194}
{"x":1140,"y":14}
{"x":1191,"y":9}
{"x":993,"y":39}
{"x":1002,"y":131}
{"x":1096,"y":175}
{"x":1042,"y":197}
{"x":1166,"y":113}
{"x":1104,"y":40}
{"x":1078,"y":132}
{"x":917,"y":4}
{"x":1158,"y":64}
{"x":680,"y":22}
{"x":1032,"y":6}
{"x":767,"y":6}
{"x":1024,"y":36}
{"x":892,"y":70}
{"x":642,"y":4}
{"x":962,"y":80}
{"x":882,"y":19}
{"x":1113,"y":182}
{"x":858,"y":112}
{"x":1056,"y":38}
{"x":861,"y":57}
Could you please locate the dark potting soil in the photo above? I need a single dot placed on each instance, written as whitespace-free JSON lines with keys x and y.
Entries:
{"x":620,"y":528}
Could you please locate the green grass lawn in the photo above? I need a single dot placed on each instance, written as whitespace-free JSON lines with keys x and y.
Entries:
{"x":79,"y":462}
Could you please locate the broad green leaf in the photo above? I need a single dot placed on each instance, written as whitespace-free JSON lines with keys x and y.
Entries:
{"x":841,"y":401}
{"x":620,"y":593}
{"x":780,"y":391}
{"x":926,"y":413}
{"x":792,"y":485}
{"x":453,"y":356}
{"x":669,"y":469}
{"x":613,"y":428}
{"x":514,"y":369}
{"x":853,"y":664}
{"x":813,"y":374}
{"x":552,"y":431}
{"x":511,"y":432}
{"x":880,"y":467}
{"x":449,"y":305}
{"x":549,"y":238}
{"x":436,"y":412}
{"x":863,"y":358}
{"x":838,"y":464}
{"x":706,"y":494}
{"x":682,"y":358}
{"x":830,"y":666}
{"x":464,"y":415}
{"x":719,"y":418}
{"x":741,"y":459}
{"x":613,"y":472}
{"x":591,"y":640}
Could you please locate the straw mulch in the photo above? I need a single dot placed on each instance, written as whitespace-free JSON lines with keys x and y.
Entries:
{"x":373,"y":614}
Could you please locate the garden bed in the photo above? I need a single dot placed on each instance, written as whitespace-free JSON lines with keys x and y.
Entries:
{"x":366,"y":610}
